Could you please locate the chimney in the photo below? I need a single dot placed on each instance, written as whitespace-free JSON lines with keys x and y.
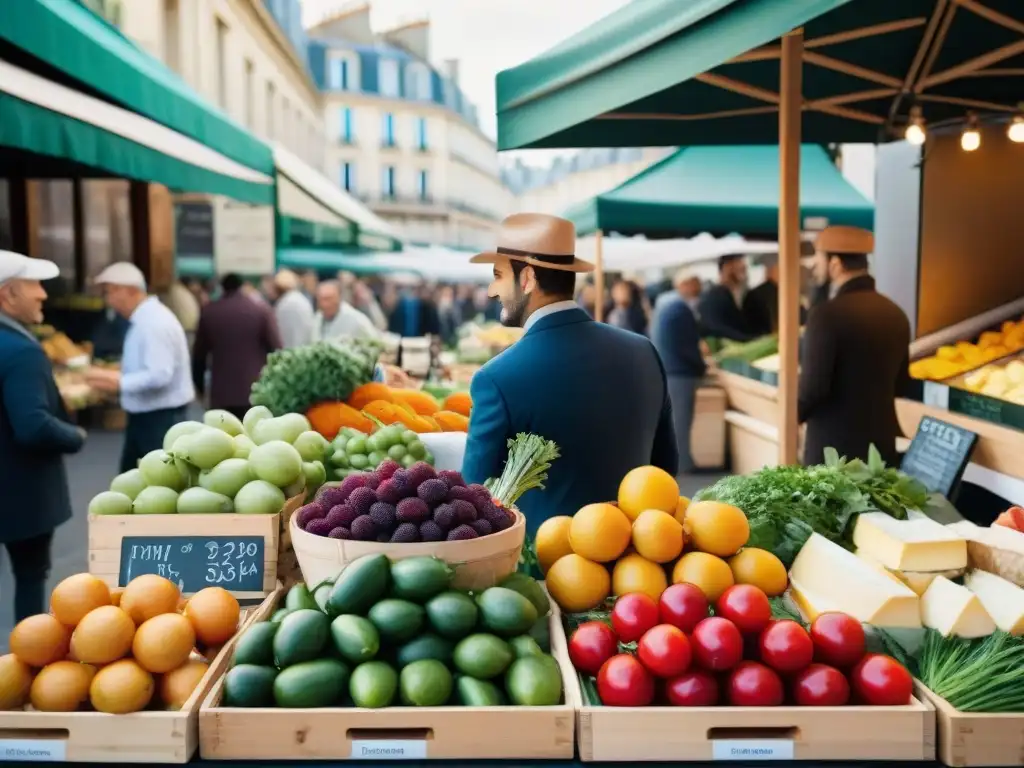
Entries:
{"x":451,"y":68}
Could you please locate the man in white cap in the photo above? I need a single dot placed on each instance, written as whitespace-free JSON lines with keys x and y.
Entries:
{"x":155,"y":379}
{"x":293,"y":310}
{"x":34,"y":433}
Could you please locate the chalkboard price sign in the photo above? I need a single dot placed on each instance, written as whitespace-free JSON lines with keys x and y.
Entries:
{"x":938,"y":455}
{"x":196,"y":562}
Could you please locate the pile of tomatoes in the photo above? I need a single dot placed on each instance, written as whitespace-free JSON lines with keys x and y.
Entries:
{"x":740,"y":656}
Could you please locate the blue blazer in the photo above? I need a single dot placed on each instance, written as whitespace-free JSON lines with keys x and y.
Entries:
{"x":34,"y":436}
{"x":599,"y":392}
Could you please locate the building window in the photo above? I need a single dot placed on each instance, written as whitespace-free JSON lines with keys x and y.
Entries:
{"x":387,"y":181}
{"x":250,"y":95}
{"x":348,"y":176}
{"x":388,"y":75}
{"x":421,"y":134}
{"x":285,"y":133}
{"x":422,"y":185}
{"x":172,"y":39}
{"x":348,"y":125}
{"x":338,"y":74}
{"x":387,"y":130}
{"x":270,"y":122}
{"x":222,"y":63}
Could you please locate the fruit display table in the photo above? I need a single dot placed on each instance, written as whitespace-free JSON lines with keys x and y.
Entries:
{"x":574,"y":763}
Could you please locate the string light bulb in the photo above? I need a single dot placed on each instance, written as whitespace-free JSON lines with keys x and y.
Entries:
{"x":1015,"y":131}
{"x":970,"y":139}
{"x":915,"y":133}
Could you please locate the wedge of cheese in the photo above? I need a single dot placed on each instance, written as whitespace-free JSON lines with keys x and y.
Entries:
{"x":918,"y":581}
{"x":1003,"y":600}
{"x":995,"y":549}
{"x":825,"y":577}
{"x":951,"y":609}
{"x":918,"y":544}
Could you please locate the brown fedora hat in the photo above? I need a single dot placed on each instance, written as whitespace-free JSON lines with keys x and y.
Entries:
{"x":539,"y":240}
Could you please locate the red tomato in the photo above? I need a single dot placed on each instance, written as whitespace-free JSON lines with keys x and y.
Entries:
{"x":754,"y":685}
{"x":717,"y":644}
{"x":882,"y":681}
{"x":692,"y":689}
{"x":683,"y":606}
{"x":623,"y":682}
{"x":633,"y":615}
{"x":821,"y":686}
{"x":664,"y":650}
{"x":591,"y":645}
{"x":746,"y":606}
{"x":786,"y":646}
{"x":838,"y":639}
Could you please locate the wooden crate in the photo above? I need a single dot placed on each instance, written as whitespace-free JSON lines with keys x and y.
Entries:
{"x":95,"y":737}
{"x":707,"y":437}
{"x":485,"y":733}
{"x":975,"y":738}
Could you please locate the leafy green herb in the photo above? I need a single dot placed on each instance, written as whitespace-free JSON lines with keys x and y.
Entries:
{"x":526,"y":468}
{"x":982,"y":675}
{"x":888,"y":489}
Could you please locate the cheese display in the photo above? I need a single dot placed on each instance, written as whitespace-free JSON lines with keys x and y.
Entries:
{"x":996,"y":549}
{"x":1005,"y":382}
{"x":1003,"y":600}
{"x":951,"y":609}
{"x":954,"y":360}
{"x":918,"y":544}
{"x":825,"y":577}
{"x":918,"y":581}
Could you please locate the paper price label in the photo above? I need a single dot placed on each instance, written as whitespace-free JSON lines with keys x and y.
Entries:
{"x":753,"y":749}
{"x":33,"y":750}
{"x":936,"y":395}
{"x":389,"y":749}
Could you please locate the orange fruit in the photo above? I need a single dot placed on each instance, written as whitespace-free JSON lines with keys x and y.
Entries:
{"x":552,"y":541}
{"x":121,"y":687}
{"x":177,"y":685}
{"x":149,"y":595}
{"x":634,"y":573}
{"x":40,"y":640}
{"x":599,"y":532}
{"x":716,"y":528}
{"x":103,"y":636}
{"x":578,"y":584}
{"x":76,"y":596}
{"x":648,"y":488}
{"x":62,"y":686}
{"x":15,"y":682}
{"x":681,"y":506}
{"x":214,"y":615}
{"x":708,"y":573}
{"x":657,"y":536}
{"x":163,"y":643}
{"x":760,"y":568}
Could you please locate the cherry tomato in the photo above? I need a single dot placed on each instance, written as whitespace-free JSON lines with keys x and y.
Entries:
{"x":753,"y":684}
{"x":821,"y":686}
{"x":664,"y":650}
{"x":838,"y":639}
{"x":692,"y":689}
{"x":746,"y":606}
{"x":717,"y":644}
{"x":633,"y":615}
{"x":786,"y":646}
{"x":591,"y":645}
{"x":882,"y":681}
{"x":683,"y":606}
{"x":622,"y":681}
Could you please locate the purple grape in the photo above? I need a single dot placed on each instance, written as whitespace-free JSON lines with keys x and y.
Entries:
{"x":392,"y":491}
{"x":340,"y":533}
{"x":445,"y":516}
{"x":412,"y":510}
{"x":319,"y":527}
{"x":482,"y":527}
{"x":432,"y":491}
{"x":363,"y":529}
{"x":361,"y":500}
{"x":387,"y":469}
{"x":406,"y":533}
{"x":308,"y":513}
{"x":383,"y":515}
{"x":451,"y":478}
{"x":431,"y":531}
{"x":420,"y":472}
{"x":462,"y":533}
{"x":464,"y":511}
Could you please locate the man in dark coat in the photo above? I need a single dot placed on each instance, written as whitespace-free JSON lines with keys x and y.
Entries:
{"x":720,"y":314}
{"x":598,"y":392}
{"x":234,"y":336}
{"x":761,"y":304}
{"x":34,"y":434}
{"x":855,"y":355}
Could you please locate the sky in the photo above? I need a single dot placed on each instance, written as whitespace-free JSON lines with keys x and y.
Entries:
{"x":488,"y":36}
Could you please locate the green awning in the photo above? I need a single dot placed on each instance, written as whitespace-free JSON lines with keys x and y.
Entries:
{"x":332,"y":260}
{"x":671,"y":73}
{"x":721,"y":190}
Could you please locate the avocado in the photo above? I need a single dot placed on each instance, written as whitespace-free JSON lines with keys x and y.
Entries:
{"x":279,"y":614}
{"x":428,"y":646}
{"x":534,"y":681}
{"x":256,"y":645}
{"x":530,"y":588}
{"x":301,"y":636}
{"x":363,"y":582}
{"x":320,"y":595}
{"x":373,"y":685}
{"x":420,"y":578}
{"x":355,"y":638}
{"x":541,"y":632}
{"x":397,"y":620}
{"x":425,"y":683}
{"x":249,"y":685}
{"x":524,"y":645}
{"x":482,"y":656}
{"x":471,"y":692}
{"x":309,"y":684}
{"x":505,"y":612}
{"x":452,"y":614}
{"x":300,"y":597}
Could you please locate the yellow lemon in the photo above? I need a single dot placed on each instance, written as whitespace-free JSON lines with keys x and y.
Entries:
{"x":657,"y":536}
{"x":552,"y":541}
{"x":760,"y":568}
{"x":634,"y":573}
{"x":647,"y":488}
{"x":708,"y":573}
{"x":578,"y":584}
{"x":599,"y":532}
{"x":716,"y":528}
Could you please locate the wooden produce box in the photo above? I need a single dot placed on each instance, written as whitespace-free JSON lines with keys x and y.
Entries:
{"x":975,"y":738}
{"x":150,"y":736}
{"x":446,"y":733}
{"x":707,"y":437}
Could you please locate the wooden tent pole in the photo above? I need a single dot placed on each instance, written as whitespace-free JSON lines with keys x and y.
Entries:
{"x":598,"y":277}
{"x":790,"y":107}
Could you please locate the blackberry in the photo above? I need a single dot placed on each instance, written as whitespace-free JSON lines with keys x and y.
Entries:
{"x":363,"y":529}
{"x":432,"y":491}
{"x":308,"y":513}
{"x":451,"y":478}
{"x":391,"y":491}
{"x":421,"y":471}
{"x":406,"y":533}
{"x":383,"y":515}
{"x":457,"y":492}
{"x":482,"y":527}
{"x":319,"y":527}
{"x":372,"y":480}
{"x":340,"y":533}
{"x":445,"y":516}
{"x":412,"y":510}
{"x":431,"y":531}
{"x":462,"y":533}
{"x":387,"y":469}
{"x":464,"y":511}
{"x":350,"y":483}
{"x":331,"y":496}
{"x":361,"y":500}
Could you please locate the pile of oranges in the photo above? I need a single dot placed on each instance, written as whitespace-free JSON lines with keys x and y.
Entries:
{"x":115,"y":651}
{"x":648,"y":538}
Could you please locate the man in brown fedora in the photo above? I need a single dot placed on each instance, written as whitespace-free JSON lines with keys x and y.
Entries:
{"x":597,"y":391}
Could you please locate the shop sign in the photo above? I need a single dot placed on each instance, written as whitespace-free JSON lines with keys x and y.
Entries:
{"x":193,"y":229}
{"x":389,"y":749}
{"x":938,"y":455}
{"x":243,"y":238}
{"x":195,"y":562}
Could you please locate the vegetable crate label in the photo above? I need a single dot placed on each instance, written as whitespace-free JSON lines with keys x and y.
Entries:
{"x":195,"y":562}
{"x":752,"y":749}
{"x":389,"y":749}
{"x":33,"y":750}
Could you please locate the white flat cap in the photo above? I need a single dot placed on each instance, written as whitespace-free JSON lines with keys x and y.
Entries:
{"x":122,"y":273}
{"x":15,"y":266}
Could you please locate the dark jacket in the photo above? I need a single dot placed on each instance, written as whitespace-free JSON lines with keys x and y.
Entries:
{"x":599,"y":392}
{"x":676,"y":336}
{"x":34,"y":436}
{"x":721,"y":317}
{"x":761,"y":309}
{"x":855,"y":364}
{"x":236,"y":334}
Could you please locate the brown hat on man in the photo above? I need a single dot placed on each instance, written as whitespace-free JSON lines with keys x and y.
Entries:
{"x":845,"y":240}
{"x":539,"y":240}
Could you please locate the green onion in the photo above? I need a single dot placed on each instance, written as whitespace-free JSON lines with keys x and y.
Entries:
{"x":529,"y":459}
{"x":982,"y":675}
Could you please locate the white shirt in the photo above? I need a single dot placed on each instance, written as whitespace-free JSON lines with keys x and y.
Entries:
{"x":156,"y":372}
{"x":294,"y":319}
{"x":348,"y":322}
{"x":550,"y":309}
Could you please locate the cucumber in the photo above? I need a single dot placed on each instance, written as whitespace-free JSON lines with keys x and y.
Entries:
{"x":506,"y":612}
{"x":420,"y":578}
{"x":452,"y":614}
{"x":482,"y":656}
{"x":471,"y":692}
{"x":397,"y":620}
{"x":301,"y":636}
{"x":318,"y":683}
{"x":299,"y":597}
{"x":355,"y":638}
{"x":256,"y":645}
{"x":249,"y":685}
{"x":363,"y":582}
{"x":428,"y":646}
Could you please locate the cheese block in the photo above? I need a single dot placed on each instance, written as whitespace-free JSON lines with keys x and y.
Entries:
{"x":917,"y":544}
{"x":951,"y":609}
{"x":825,"y":577}
{"x":918,"y":581}
{"x":1003,"y":601}
{"x":997,"y":549}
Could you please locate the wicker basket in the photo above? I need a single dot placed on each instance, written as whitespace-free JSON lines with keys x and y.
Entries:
{"x":478,"y":563}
